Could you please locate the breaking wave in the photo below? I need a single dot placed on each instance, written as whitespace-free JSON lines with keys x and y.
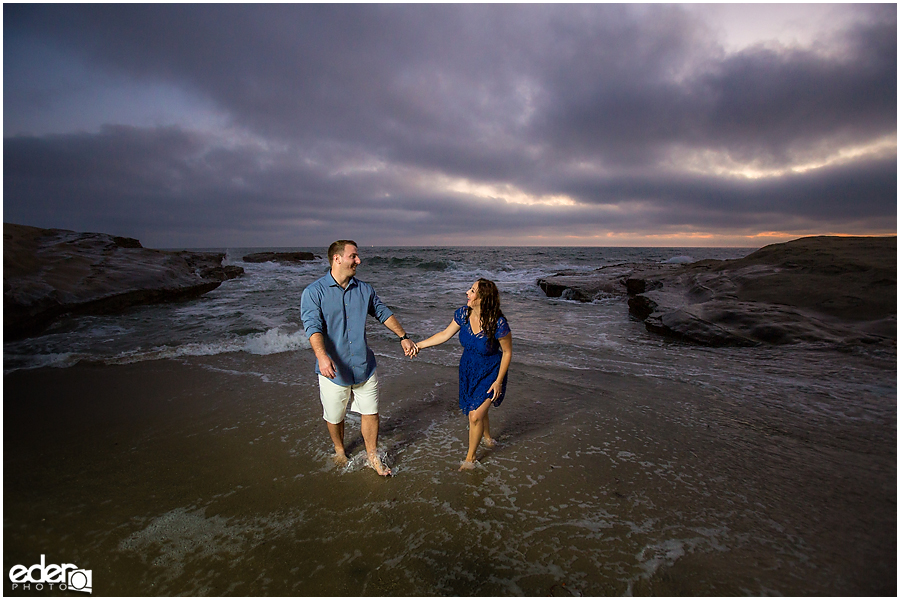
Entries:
{"x":273,"y":341}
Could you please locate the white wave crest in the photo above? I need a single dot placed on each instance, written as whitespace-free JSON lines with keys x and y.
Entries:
{"x":679,"y":260}
{"x":273,"y":342}
{"x":61,"y":360}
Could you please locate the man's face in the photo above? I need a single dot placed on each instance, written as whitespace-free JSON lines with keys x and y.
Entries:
{"x":348,"y":260}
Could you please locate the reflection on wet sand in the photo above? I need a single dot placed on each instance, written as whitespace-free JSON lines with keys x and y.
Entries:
{"x":212,"y":476}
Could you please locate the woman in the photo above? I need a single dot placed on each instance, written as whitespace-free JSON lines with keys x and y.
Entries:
{"x":487,"y":352}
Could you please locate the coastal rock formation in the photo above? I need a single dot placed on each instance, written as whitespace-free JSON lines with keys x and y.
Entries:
{"x":51,"y":272}
{"x":829,"y":289}
{"x":282,"y":257}
{"x":610,"y":280}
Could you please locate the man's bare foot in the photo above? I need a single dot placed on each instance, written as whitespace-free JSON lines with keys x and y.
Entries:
{"x":489,"y":442}
{"x":375,"y":463}
{"x":467,"y":465}
{"x":339,"y":459}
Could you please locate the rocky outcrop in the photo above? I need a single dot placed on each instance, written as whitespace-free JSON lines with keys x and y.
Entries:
{"x":51,"y":272}
{"x":819,"y":289}
{"x":610,"y":280}
{"x":281,"y":257}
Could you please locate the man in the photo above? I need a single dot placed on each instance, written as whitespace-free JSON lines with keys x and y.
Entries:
{"x":334,"y":310}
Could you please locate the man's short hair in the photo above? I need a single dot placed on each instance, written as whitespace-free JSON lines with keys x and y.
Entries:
{"x":337,"y":248}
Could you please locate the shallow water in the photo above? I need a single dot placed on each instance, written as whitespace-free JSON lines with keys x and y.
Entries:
{"x":627,"y":464}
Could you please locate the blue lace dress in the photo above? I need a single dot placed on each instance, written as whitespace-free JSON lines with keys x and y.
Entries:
{"x":479,"y":363}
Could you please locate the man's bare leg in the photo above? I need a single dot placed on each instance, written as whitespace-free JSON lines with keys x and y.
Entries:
{"x":369,"y":428}
{"x":336,"y":431}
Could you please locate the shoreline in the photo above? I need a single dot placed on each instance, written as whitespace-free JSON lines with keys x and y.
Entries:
{"x":200,"y":477}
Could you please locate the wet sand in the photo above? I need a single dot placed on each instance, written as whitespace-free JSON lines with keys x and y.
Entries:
{"x":194,"y":477}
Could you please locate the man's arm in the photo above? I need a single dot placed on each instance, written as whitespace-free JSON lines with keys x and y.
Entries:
{"x":394,"y":325}
{"x":326,"y":367}
{"x":311,"y":313}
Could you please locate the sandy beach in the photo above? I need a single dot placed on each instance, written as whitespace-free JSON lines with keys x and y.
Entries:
{"x":189,"y":477}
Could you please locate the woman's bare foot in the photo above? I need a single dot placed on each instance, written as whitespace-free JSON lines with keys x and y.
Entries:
{"x":489,"y":442}
{"x":467,"y":465}
{"x":375,"y":463}
{"x":339,"y":459}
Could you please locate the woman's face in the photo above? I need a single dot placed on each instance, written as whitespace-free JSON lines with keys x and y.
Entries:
{"x":472,"y":296}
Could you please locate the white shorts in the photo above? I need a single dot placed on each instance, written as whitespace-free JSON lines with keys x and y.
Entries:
{"x":336,"y":399}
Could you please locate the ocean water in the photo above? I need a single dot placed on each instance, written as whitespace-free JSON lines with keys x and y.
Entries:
{"x":629,"y":463}
{"x":259,"y":313}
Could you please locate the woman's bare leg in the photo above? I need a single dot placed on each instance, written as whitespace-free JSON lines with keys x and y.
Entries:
{"x":486,"y":436}
{"x":476,"y":431}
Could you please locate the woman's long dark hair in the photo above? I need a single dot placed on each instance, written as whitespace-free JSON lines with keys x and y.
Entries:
{"x":490,"y":308}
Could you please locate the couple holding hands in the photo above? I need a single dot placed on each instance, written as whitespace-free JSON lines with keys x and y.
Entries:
{"x":334,"y":310}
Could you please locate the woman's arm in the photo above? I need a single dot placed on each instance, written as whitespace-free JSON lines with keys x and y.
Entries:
{"x":439,"y":338}
{"x":506,"y":348}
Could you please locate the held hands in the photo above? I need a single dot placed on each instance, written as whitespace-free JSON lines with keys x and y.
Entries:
{"x":409,"y":348}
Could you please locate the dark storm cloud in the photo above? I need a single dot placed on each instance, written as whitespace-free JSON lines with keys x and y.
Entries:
{"x":167,"y":184}
{"x":833,"y":194}
{"x":493,"y":94}
{"x":760,"y":103}
{"x":167,"y":175}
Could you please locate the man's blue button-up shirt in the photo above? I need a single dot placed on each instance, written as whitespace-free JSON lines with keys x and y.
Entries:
{"x":340,"y":316}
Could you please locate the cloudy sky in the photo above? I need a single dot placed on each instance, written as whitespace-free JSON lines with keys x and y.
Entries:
{"x":192,"y":125}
